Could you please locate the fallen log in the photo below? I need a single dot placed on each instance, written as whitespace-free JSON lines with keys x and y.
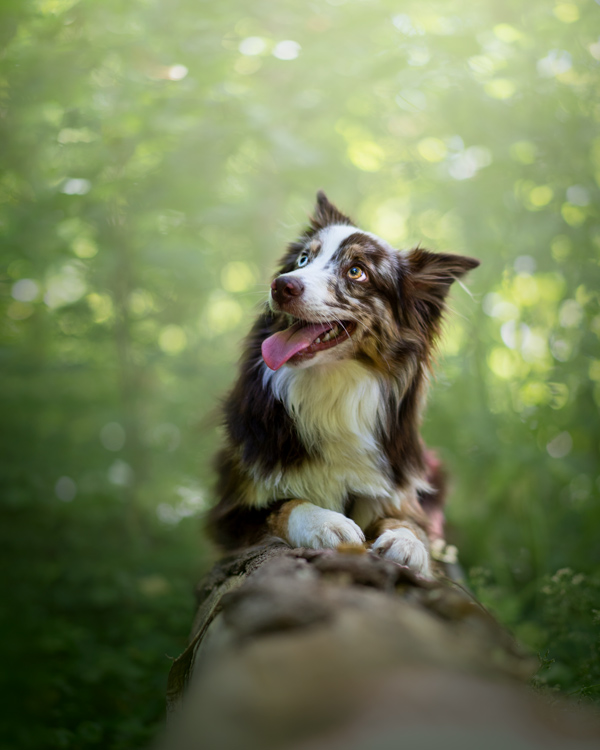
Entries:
{"x":322,"y":649}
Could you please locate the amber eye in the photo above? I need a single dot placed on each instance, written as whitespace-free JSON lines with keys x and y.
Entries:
{"x":357,"y":274}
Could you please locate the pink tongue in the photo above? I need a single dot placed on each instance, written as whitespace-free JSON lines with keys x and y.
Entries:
{"x":280,"y":347}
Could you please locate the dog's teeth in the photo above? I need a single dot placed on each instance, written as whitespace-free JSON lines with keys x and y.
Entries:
{"x":332,"y":333}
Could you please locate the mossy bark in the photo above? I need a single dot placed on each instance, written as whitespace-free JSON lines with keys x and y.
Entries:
{"x":325,"y":649}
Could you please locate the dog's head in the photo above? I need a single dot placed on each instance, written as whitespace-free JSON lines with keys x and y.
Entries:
{"x":344,"y":293}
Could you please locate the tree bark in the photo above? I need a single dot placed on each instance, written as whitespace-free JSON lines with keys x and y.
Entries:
{"x":322,"y":649}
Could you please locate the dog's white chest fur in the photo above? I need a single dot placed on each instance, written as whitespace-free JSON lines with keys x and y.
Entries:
{"x":337,"y":409}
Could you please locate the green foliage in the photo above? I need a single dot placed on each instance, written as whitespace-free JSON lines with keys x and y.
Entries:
{"x":156,"y":158}
{"x":96,"y":611}
{"x":557,"y":617}
{"x":570,"y":606}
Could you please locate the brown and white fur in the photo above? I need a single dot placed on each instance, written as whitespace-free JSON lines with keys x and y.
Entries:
{"x":322,"y":445}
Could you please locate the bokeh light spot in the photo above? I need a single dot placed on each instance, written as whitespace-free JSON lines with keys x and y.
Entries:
{"x":65,"y":489}
{"x":172,"y":339}
{"x":594,"y":370}
{"x":84,"y":247}
{"x":177,"y":72}
{"x":223,"y":314}
{"x":503,"y":363}
{"x":252,"y":45}
{"x":570,"y":314}
{"x":541,"y":195}
{"x":525,"y":290}
{"x":525,"y":264}
{"x":25,"y":290}
{"x":560,"y":446}
{"x":573,"y":215}
{"x":566,"y":12}
{"x":560,"y":247}
{"x":65,"y":287}
{"x":19,"y":310}
{"x":76,"y":186}
{"x":246,"y":66}
{"x":390,"y":221}
{"x":112,"y":436}
{"x":559,"y":395}
{"x":500,"y":88}
{"x":432,"y":149}
{"x":141,"y":302}
{"x":54,"y":7}
{"x":286,"y":50}
{"x":407,"y":26}
{"x":523,"y":151}
{"x":561,"y":349}
{"x":534,"y":393}
{"x":121,"y":474}
{"x":465,"y":164}
{"x":366,"y":155}
{"x":578,"y":195}
{"x":237,"y":276}
{"x":507,"y":33}
{"x":101,"y":306}
{"x":556,"y":62}
{"x":418,"y":55}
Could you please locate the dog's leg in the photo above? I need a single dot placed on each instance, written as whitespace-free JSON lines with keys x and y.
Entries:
{"x":402,"y":541}
{"x":304,"y":524}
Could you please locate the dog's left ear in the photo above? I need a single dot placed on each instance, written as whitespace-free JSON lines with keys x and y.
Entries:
{"x":326,"y":214}
{"x":432,"y":274}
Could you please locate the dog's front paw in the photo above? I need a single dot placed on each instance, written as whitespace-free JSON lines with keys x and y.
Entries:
{"x":402,"y":546}
{"x":317,"y":528}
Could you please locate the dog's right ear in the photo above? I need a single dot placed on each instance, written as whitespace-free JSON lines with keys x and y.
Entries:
{"x":430,"y":276}
{"x":326,"y":214}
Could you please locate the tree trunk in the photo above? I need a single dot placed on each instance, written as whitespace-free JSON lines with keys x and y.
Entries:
{"x":320,"y":650}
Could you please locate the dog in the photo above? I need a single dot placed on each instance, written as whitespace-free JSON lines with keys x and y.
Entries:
{"x":322,"y":445}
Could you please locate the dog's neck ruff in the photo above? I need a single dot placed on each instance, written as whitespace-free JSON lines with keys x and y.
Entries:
{"x":334,"y":401}
{"x":338,"y":409}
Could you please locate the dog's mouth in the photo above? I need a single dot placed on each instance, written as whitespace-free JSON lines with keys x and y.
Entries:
{"x":304,"y":339}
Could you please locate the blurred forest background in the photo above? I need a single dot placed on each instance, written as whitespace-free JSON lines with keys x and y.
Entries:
{"x":156,"y":157}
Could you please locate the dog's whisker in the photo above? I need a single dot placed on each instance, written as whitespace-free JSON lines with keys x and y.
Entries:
{"x":339,"y":322}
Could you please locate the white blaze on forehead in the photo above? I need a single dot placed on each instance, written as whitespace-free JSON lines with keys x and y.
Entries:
{"x":315,"y":275}
{"x":331,"y":238}
{"x":317,"y":301}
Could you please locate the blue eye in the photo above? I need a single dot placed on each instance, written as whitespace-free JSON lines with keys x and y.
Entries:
{"x":302,"y":260}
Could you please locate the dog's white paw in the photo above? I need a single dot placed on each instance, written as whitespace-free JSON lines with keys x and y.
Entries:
{"x":318,"y":528}
{"x":402,"y":546}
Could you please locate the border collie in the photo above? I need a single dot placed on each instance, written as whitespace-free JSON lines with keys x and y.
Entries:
{"x":322,"y":426}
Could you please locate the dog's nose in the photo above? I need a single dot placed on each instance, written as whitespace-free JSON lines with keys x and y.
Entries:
{"x":284,"y":288}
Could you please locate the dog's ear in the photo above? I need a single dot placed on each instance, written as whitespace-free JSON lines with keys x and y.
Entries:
{"x":432,"y":274}
{"x":326,"y":214}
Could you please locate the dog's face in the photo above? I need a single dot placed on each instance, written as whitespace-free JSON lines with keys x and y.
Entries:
{"x":345,"y":293}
